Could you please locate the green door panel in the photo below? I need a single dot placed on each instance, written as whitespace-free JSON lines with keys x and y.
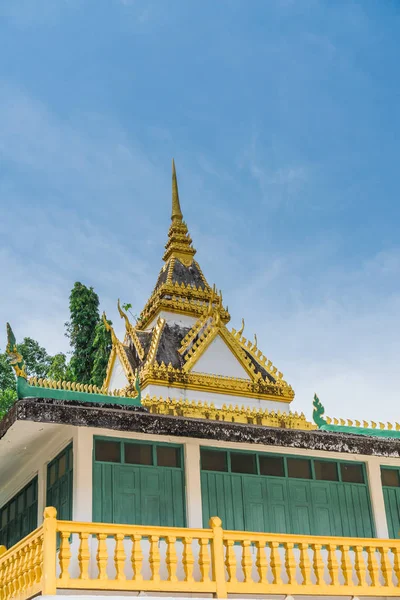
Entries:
{"x":280,"y":504}
{"x":321,"y":509}
{"x":254,"y":496}
{"x":300,"y":506}
{"x":19,"y":516}
{"x":391,"y":496}
{"x":138,"y":494}
{"x":59,"y":484}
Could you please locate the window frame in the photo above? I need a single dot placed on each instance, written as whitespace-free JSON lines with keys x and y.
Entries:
{"x":124,"y":441}
{"x":285,"y":466}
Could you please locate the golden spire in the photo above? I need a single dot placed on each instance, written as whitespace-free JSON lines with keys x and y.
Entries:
{"x":179,"y":243}
{"x":176,"y":207}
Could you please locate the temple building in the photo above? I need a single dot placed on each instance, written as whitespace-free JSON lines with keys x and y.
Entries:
{"x":190,"y":471}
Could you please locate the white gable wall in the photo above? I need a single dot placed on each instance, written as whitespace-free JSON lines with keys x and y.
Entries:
{"x":218,"y":359}
{"x":118,"y":379}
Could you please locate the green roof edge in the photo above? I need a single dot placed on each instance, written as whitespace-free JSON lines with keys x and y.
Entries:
{"x":319,"y":420}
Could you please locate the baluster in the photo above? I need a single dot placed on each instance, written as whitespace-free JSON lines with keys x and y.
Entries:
{"x":102,"y":556}
{"x":38,"y":559}
{"x":188,"y":559}
{"x":386,"y":566}
{"x":396,"y":563}
{"x":2,"y":568}
{"x":83,"y":556}
{"x":261,"y":562}
{"x":318,"y":564}
{"x":119,"y":557}
{"x":204,"y":560}
{"x":290,"y":562}
{"x":305,"y":564}
{"x":154,"y":558}
{"x":171,"y":558}
{"x":373,"y":566}
{"x":14,"y":572}
{"x":12,"y":582}
{"x":5,"y":579}
{"x":347,"y":568}
{"x":28,"y":566}
{"x":31,"y":565}
{"x":5,"y":594}
{"x":360,"y":566}
{"x":23,"y":568}
{"x":17,"y":572}
{"x":65,"y":555}
{"x":137,"y":557}
{"x":275,"y":562}
{"x":246,"y":560}
{"x":230,"y":560}
{"x":333,"y":565}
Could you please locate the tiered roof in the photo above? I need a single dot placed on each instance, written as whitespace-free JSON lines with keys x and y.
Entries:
{"x":164,"y":352}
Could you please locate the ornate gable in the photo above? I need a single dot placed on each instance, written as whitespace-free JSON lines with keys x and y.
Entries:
{"x":198,"y":353}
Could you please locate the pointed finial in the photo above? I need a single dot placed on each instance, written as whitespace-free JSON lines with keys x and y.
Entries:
{"x":176,"y":207}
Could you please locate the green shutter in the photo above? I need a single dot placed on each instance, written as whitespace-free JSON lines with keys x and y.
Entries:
{"x":59,"y":484}
{"x":391,"y":496}
{"x":19,"y":516}
{"x":139,"y":494}
{"x":286,"y":505}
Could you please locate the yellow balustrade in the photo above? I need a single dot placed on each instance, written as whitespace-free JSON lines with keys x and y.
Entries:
{"x":67,"y":555}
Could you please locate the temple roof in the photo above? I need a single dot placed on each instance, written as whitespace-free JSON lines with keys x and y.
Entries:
{"x":181,"y":286}
{"x":167,"y":350}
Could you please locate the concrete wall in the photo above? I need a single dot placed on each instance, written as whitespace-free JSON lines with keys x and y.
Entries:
{"x":36,"y":462}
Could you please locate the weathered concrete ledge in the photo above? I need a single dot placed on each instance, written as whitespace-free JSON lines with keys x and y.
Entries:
{"x":138,"y":419}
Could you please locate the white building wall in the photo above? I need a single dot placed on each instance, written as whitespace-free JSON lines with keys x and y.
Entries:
{"x":118,"y":379}
{"x":218,"y":359}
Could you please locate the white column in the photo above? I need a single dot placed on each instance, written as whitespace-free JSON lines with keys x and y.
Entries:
{"x":193,"y":484}
{"x":82,"y":488}
{"x":376,"y":494}
{"x":42,"y":483}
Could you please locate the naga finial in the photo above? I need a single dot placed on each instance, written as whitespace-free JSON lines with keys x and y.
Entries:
{"x":15,"y":358}
{"x":318,"y":412}
{"x":240,"y":332}
{"x":137,"y":387}
{"x":123,"y":315}
{"x":109,"y":328}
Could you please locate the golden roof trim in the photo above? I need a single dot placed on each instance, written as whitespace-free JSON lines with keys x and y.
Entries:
{"x":161,"y":374}
{"x":131,"y":331}
{"x":231,"y":414}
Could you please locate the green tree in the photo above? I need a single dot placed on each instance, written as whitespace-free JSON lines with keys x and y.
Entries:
{"x":36,"y":358}
{"x":7,"y":399}
{"x":58,"y":368}
{"x":8,"y":392}
{"x":84,"y":311}
{"x":102,"y":345}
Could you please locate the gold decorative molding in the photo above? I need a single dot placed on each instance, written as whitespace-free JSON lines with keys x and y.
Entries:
{"x":157,"y":331}
{"x":252,"y":349}
{"x":161,"y":374}
{"x":117,"y":350}
{"x":131,"y":332}
{"x":228,"y":413}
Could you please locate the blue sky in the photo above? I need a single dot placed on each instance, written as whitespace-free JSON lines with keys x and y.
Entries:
{"x":283,"y":119}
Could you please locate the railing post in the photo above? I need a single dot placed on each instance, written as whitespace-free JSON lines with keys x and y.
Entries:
{"x":217,"y":557}
{"x":49,"y":551}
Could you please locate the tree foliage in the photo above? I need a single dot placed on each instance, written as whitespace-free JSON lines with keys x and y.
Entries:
{"x":36,"y":358}
{"x":58,"y":368}
{"x":102,"y":345}
{"x":84,"y":311}
{"x":8,"y":391}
